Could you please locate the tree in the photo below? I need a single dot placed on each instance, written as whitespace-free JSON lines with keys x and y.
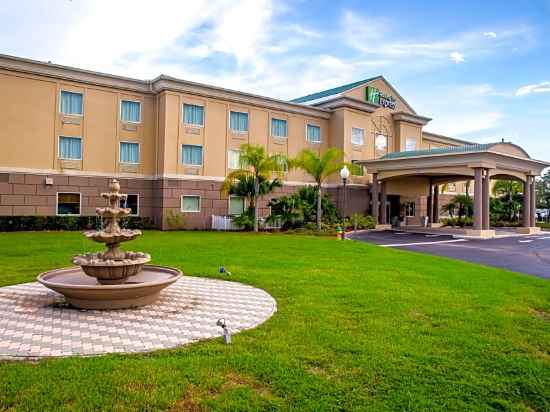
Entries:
{"x":244,"y":187}
{"x":542,"y":187}
{"x":320,"y":168}
{"x":509,"y":193}
{"x":256,"y":168}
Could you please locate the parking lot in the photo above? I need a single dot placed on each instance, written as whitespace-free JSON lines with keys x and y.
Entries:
{"x":525,"y":254}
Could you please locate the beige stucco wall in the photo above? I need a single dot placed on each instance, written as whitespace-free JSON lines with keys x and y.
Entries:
{"x":31,"y":125}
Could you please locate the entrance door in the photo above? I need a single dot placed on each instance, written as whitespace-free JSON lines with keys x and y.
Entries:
{"x":393,"y":206}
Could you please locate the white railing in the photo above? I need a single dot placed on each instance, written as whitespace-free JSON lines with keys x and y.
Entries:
{"x":226,"y":223}
{"x":223,"y":223}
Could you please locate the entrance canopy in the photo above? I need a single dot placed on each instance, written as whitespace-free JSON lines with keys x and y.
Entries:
{"x":447,"y":164}
{"x":480,"y":162}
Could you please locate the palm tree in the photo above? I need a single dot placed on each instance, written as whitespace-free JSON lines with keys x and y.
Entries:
{"x":320,"y":168}
{"x":461,"y":203}
{"x":256,"y":168}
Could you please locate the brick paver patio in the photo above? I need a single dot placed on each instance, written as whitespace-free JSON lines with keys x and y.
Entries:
{"x":36,"y":323}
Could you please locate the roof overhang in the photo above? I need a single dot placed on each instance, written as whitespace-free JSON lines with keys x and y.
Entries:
{"x":411,"y":118}
{"x":459,"y":164}
{"x":439,"y":138}
{"x":348,"y":103}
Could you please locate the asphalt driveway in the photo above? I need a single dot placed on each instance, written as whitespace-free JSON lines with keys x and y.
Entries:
{"x":525,"y":254}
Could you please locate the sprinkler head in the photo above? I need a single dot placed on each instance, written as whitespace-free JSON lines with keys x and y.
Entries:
{"x":226,"y":335}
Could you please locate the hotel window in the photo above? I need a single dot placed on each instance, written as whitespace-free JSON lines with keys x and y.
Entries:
{"x":381,"y":142}
{"x":279,"y":128}
{"x":358,"y":169}
{"x":236,"y":205}
{"x":129,"y":152}
{"x":71,"y":103}
{"x":190,"y":204}
{"x":192,"y":155}
{"x":193,"y":115}
{"x":410,"y":144}
{"x":234,"y":159}
{"x":238,"y":121}
{"x":313,"y":133}
{"x":357,"y":136}
{"x":410,"y":209}
{"x":70,"y":148}
{"x":68,"y":203}
{"x":451,"y":187}
{"x":130,"y":111}
{"x":132,"y":203}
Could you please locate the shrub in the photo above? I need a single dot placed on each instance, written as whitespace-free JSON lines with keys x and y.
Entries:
{"x":457,"y":221}
{"x":359,"y":221}
{"x":245,"y":220}
{"x":300,"y":209}
{"x":39,"y":223}
{"x":175,"y":220}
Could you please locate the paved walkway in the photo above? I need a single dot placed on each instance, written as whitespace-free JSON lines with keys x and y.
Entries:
{"x":36,"y":323}
{"x":525,"y":254}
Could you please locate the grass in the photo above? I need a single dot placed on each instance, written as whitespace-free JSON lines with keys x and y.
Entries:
{"x":358,"y":327}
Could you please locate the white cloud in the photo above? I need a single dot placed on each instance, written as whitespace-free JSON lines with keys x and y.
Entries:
{"x":490,"y":34}
{"x":299,"y":29}
{"x":465,"y":121}
{"x":375,"y":37}
{"x":542,"y":87}
{"x":331,"y":62}
{"x":249,"y":45}
{"x":457,"y":57}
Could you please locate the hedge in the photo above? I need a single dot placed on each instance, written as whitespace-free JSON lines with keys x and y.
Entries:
{"x":39,"y":223}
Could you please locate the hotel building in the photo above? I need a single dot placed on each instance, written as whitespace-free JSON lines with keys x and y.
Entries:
{"x":64,"y":132}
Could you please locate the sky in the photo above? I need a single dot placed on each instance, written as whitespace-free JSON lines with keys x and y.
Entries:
{"x":479,"y":69}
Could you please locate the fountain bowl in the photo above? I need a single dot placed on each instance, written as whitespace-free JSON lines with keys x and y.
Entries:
{"x":84,"y":292}
{"x":111,"y":272}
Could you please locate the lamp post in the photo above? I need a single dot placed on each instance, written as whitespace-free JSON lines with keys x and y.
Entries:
{"x":344,"y":174}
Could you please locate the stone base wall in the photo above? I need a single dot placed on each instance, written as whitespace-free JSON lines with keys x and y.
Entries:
{"x":29,"y":195}
{"x":213,"y":202}
{"x":356,"y":199}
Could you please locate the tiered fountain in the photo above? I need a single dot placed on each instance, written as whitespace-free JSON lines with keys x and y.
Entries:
{"x":113,"y":279}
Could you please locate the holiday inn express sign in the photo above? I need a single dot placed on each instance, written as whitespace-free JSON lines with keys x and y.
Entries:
{"x":377,"y":97}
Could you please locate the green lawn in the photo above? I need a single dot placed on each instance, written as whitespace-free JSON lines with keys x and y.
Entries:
{"x":358,"y":327}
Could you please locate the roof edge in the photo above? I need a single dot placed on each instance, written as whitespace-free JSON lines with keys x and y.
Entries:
{"x":439,"y":138}
{"x":333,"y":91}
{"x":154,"y":86}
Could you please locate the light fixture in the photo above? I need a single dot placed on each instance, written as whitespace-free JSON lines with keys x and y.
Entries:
{"x":344,"y":173}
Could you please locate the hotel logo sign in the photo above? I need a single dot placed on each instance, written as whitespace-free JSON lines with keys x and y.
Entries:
{"x":377,"y":97}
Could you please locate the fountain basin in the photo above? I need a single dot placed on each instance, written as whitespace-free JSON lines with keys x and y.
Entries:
{"x":111,"y":272}
{"x":83,"y":291}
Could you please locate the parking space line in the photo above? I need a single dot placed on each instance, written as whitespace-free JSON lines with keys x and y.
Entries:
{"x":425,"y":243}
